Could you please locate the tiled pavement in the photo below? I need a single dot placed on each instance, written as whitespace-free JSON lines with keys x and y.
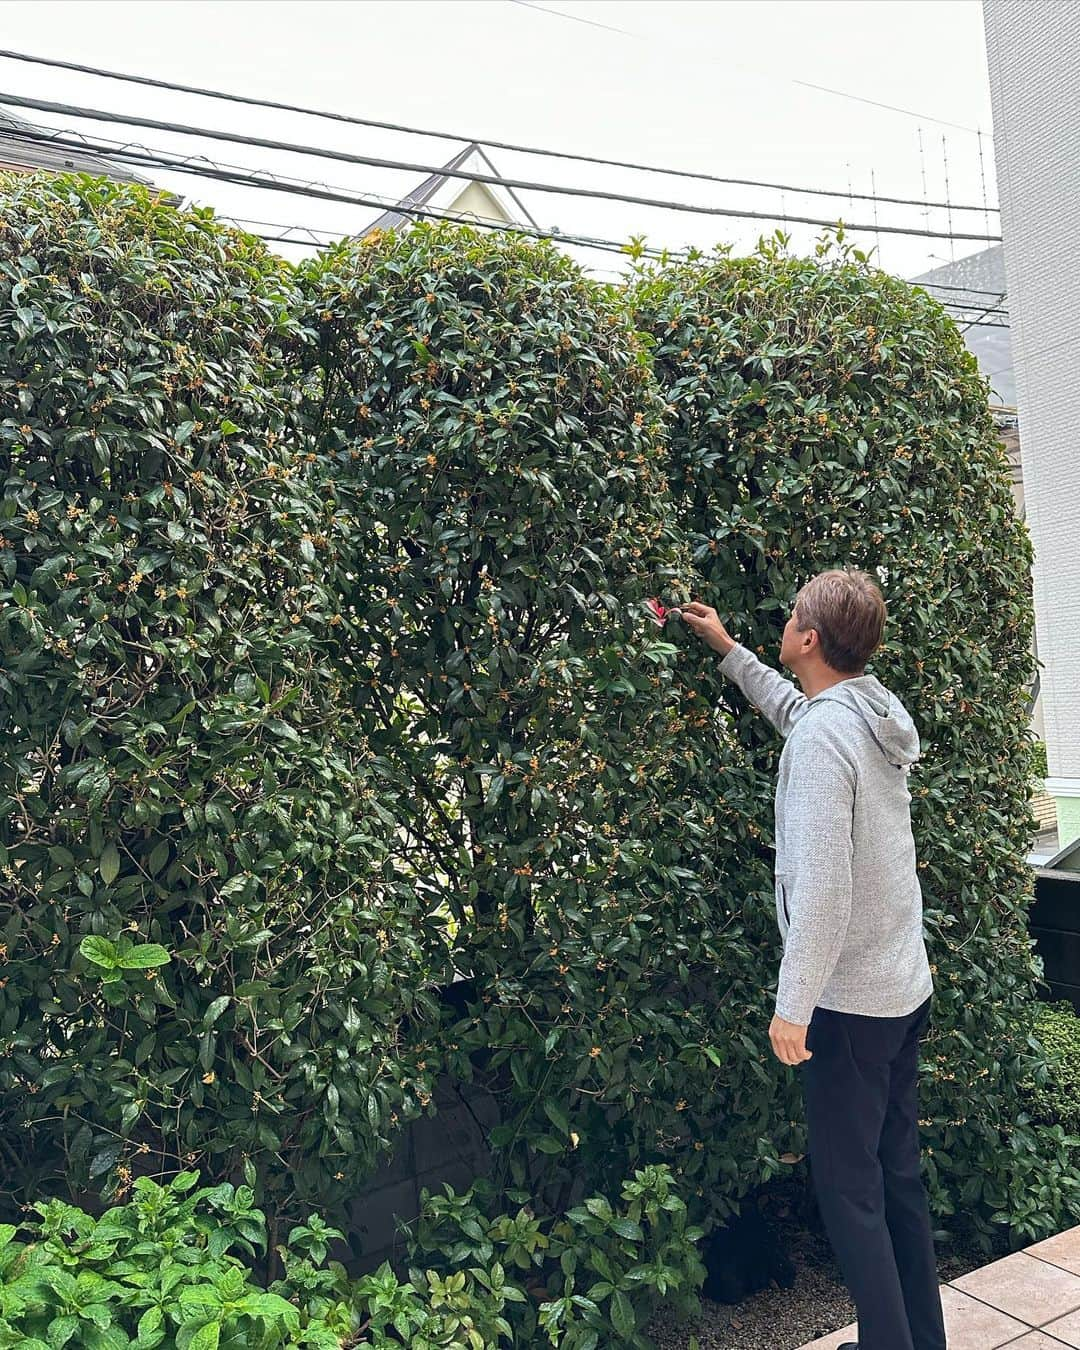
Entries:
{"x":1027,"y":1301}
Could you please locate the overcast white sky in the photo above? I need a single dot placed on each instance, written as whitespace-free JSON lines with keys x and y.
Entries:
{"x":708,"y":85}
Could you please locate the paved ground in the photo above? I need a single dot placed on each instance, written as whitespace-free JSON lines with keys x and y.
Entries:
{"x":1027,"y":1301}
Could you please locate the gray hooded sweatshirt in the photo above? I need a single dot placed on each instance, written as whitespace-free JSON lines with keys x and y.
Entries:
{"x":848,"y":899}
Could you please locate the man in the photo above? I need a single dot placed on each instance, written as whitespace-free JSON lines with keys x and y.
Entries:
{"x":855,"y":986}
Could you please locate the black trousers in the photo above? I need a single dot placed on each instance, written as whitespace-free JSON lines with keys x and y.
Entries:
{"x":861,"y":1091}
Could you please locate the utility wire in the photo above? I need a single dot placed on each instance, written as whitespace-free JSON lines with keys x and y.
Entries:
{"x":201,"y":167}
{"x":251,"y":101}
{"x":955,"y":307}
{"x":979,"y":324}
{"x":374,"y":161}
{"x":977,"y":321}
{"x":976,"y":306}
{"x":941,"y":286}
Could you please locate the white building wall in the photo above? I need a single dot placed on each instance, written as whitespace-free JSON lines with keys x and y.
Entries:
{"x":1033,"y":51}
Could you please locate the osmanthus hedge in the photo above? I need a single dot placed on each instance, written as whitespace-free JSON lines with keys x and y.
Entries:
{"x":824,"y":413}
{"x":204,"y":958}
{"x":326,"y":683}
{"x":492,"y":426}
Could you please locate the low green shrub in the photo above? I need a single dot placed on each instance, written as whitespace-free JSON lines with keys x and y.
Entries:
{"x":170,"y":1269}
{"x":165,"y":1269}
{"x":1055,"y":1096}
{"x":600,"y":1269}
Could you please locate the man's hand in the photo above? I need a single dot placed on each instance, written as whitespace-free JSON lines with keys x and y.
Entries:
{"x":788,"y":1042}
{"x":705,"y":622}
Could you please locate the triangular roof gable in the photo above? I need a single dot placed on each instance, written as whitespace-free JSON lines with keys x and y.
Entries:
{"x":442,"y":192}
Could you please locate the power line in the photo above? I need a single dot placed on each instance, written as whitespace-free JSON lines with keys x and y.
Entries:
{"x":963,"y":322}
{"x":941,"y":286}
{"x":330,"y":236}
{"x":287,"y":235}
{"x":976,"y":322}
{"x":201,"y":167}
{"x":954,"y":307}
{"x":979,"y":324}
{"x":266,"y":181}
{"x":147,"y":157}
{"x":976,"y":306}
{"x":806,"y":84}
{"x":349,"y":120}
{"x":961,"y":308}
{"x":374,"y":161}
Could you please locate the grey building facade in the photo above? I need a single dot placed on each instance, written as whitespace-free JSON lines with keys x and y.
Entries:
{"x":1033,"y":53}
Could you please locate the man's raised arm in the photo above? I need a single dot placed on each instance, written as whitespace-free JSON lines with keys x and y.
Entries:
{"x":778,"y":699}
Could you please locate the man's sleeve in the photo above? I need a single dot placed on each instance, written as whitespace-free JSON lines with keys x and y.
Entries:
{"x":819,"y":805}
{"x":777,"y":698}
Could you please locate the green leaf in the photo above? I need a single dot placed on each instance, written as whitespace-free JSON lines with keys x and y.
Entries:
{"x":100,"y":951}
{"x":159,"y":856}
{"x":150,"y":1328}
{"x":109,"y":864}
{"x":207,"y":1337}
{"x":623,"y":1318}
{"x":61,"y":1329}
{"x":144,"y":957}
{"x":106,"y":1159}
{"x":215,"y":1009}
{"x":557,"y":1116}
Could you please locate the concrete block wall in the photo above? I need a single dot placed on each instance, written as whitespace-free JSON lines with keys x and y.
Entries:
{"x":1033,"y":52}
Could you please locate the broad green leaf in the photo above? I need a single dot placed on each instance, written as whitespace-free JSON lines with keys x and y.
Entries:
{"x":145,"y":956}
{"x":100,"y":951}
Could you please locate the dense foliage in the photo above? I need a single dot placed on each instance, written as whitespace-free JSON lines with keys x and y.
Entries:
{"x":204,"y":958}
{"x":170,"y":1269}
{"x":826,"y":414}
{"x":1054,"y":1095}
{"x":326,"y":685}
{"x":493,"y":431}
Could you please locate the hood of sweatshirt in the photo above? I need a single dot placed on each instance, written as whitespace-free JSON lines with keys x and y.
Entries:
{"x":889,"y":721}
